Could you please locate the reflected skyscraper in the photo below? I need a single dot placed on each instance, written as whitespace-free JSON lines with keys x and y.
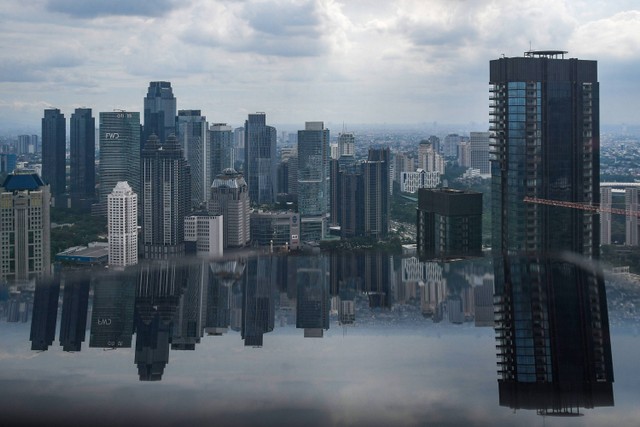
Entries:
{"x":45,"y":313}
{"x":312,"y":309}
{"x":258,"y":314}
{"x":75,"y":301}
{"x":113,"y":307}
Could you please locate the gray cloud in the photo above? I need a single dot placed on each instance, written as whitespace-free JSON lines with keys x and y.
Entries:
{"x":88,"y":9}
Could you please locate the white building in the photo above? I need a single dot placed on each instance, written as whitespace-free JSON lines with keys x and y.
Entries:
{"x":411,"y":181}
{"x":207,"y":234}
{"x":122,"y":214}
{"x":479,"y":142}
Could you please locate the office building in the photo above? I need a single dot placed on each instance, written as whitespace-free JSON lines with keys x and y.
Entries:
{"x":8,"y":163}
{"x":159,"y":112}
{"x":230,"y":198}
{"x":412,"y":181}
{"x":82,"y":160}
{"x":54,"y":168}
{"x":166,"y":193}
{"x":346,"y":144}
{"x":75,"y":302}
{"x":119,"y":154}
{"x":280,"y":230}
{"x":376,"y":193}
{"x":25,"y":229}
{"x":238,"y":143}
{"x":123,"y":226}
{"x":222,"y":149}
{"x":203,"y":235}
{"x":193,"y":137}
{"x":313,"y":180}
{"x":449,"y":223}
{"x":479,"y":146}
{"x":429,"y":159}
{"x":631,"y":219}
{"x":260,"y":163}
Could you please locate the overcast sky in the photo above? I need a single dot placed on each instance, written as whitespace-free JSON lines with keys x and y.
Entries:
{"x":352,"y":61}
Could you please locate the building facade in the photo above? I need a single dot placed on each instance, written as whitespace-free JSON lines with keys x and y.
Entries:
{"x":376,"y":177}
{"x":230,"y":198}
{"x":278,"y":229}
{"x":54,"y":140}
{"x":479,"y":144}
{"x":260,"y":163}
{"x":222,"y":149}
{"x":203,"y":235}
{"x":412,"y":181}
{"x":122,"y":214}
{"x":165,"y":198}
{"x":82,"y":159}
{"x":159,"y":112}
{"x":119,"y":154}
{"x":25,"y":228}
{"x":193,"y":136}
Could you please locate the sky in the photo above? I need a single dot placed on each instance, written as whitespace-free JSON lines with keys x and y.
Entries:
{"x":349,"y":61}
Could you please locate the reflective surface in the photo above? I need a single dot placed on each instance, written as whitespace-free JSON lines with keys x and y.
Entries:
{"x":357,"y":339}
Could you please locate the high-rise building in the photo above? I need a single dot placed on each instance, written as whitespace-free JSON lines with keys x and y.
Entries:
{"x":123,"y":226}
{"x":8,"y":163}
{"x":113,"y":307}
{"x":313,"y":303}
{"x":119,"y":154}
{"x":606,"y":199}
{"x":82,"y":159}
{"x":222,"y":149}
{"x":260,"y":163}
{"x":25,"y":228}
{"x":450,"y":145}
{"x":553,"y":341}
{"x":230,"y":198}
{"x":376,"y":193}
{"x":428,"y":159}
{"x":479,"y":142}
{"x":75,"y":301}
{"x":238,"y":143}
{"x":193,"y":134}
{"x":346,"y":144}
{"x":166,"y":184}
{"x":258,"y":301}
{"x":159,"y":112}
{"x":45,"y":312}
{"x":54,"y":139}
{"x":545,"y":129}
{"x":631,"y":204}
{"x":449,"y":223}
{"x":313,"y":180}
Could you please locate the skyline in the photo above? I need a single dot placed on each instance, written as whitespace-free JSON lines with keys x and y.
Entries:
{"x":400,"y":62}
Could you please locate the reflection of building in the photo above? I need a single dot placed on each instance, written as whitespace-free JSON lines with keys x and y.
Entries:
{"x":552,"y":333}
{"x":312,"y":309}
{"x":222,"y":276}
{"x":188,"y":325}
{"x":258,"y":314}
{"x":24,"y":226}
{"x":112,"y":314}
{"x":631,"y":205}
{"x":45,"y":313}
{"x":75,"y":301}
{"x":449,"y":223}
{"x":230,"y":198}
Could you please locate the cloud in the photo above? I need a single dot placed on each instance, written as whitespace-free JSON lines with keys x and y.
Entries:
{"x":616,"y":37}
{"x":89,"y":9}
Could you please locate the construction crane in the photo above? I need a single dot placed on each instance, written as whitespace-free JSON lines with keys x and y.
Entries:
{"x":583,"y":206}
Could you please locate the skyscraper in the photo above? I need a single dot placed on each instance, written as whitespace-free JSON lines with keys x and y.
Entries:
{"x":165,"y":197}
{"x":260,"y":164}
{"x":313,"y":180}
{"x":123,"y":226}
{"x":25,"y":229}
{"x":480,"y":152}
{"x":346,"y":144}
{"x":230,"y":198}
{"x":192,"y":134}
{"x":376,"y":193}
{"x":82,"y":159}
{"x":159,"y":112}
{"x":222,"y":148}
{"x":545,"y":129}
{"x":606,"y":199}
{"x":119,"y":154}
{"x":54,"y":135}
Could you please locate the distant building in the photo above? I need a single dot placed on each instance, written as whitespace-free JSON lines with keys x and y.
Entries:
{"x":82,"y":160}
{"x":166,"y":193}
{"x":631,"y":204}
{"x":222,"y":149}
{"x":412,"y":181}
{"x":123,"y":226}
{"x":203,"y":235}
{"x":54,"y":140}
{"x":193,"y":137}
{"x":25,"y":229}
{"x":606,"y":199}
{"x":260,"y":165}
{"x":282,"y":229}
{"x":159,"y":112}
{"x":230,"y":198}
{"x":8,"y":163}
{"x":449,"y":223}
{"x":376,"y":177}
{"x":346,"y":144}
{"x":119,"y":154}
{"x":479,"y":144}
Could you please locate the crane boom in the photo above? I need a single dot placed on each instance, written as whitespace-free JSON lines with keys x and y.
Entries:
{"x":583,"y":206}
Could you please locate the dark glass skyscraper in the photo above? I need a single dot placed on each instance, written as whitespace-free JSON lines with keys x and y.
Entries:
{"x":82,"y":159}
{"x":376,"y":192}
{"x":159,"y":112}
{"x":260,"y":164}
{"x":54,"y":135}
{"x":192,"y":134}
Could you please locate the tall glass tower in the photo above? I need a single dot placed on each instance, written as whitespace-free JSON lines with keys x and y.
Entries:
{"x":54,"y":135}
{"x":82,"y":158}
{"x":159,"y":112}
{"x":260,"y":164}
{"x":192,"y":133}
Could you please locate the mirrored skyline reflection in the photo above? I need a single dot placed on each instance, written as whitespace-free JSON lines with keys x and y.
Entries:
{"x":422,"y":357}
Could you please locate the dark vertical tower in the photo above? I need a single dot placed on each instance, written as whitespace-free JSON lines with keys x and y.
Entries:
{"x":82,"y":159}
{"x":45,"y":313}
{"x":165,"y":197}
{"x":192,"y":134}
{"x":54,"y":135}
{"x":260,"y":167}
{"x":222,"y":149}
{"x":75,"y":302}
{"x":159,"y":112}
{"x":376,"y":192}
